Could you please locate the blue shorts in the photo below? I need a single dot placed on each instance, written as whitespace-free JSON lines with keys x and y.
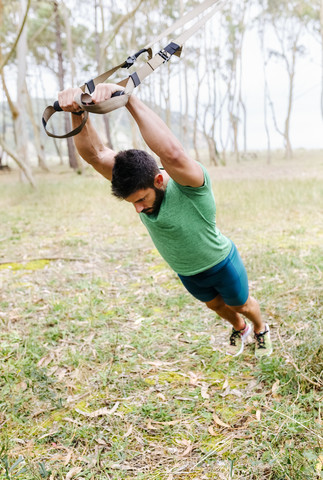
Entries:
{"x":228,"y":279}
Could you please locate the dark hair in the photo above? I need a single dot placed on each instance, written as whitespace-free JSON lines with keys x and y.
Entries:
{"x":133,"y":170}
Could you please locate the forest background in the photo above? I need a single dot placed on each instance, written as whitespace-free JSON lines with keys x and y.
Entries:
{"x":251,"y":79}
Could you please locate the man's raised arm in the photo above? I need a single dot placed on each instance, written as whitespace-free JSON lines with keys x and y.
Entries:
{"x":88,"y":142}
{"x":163,"y":143}
{"x":155,"y":132}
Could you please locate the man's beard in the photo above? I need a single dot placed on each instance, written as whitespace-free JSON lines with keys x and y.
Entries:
{"x":157,"y":203}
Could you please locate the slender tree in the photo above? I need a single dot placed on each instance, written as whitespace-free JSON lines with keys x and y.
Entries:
{"x":70,"y":144}
{"x":17,"y":110}
{"x":288,"y":20}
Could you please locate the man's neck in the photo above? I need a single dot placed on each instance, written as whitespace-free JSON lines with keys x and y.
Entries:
{"x":166,"y":177}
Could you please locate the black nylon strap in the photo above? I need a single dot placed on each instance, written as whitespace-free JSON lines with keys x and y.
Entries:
{"x":90,"y":86}
{"x":171,"y":48}
{"x":135,"y":79}
{"x":131,"y":60}
{"x":168,"y":51}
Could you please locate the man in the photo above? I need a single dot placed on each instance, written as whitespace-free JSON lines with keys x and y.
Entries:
{"x":176,"y":205}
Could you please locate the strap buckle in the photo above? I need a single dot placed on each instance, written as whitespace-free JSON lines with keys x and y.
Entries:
{"x":168,"y":51}
{"x":165,"y":55}
{"x":131,"y":60}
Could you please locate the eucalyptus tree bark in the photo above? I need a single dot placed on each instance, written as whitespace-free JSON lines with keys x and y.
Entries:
{"x":289,"y":57}
{"x":321,"y":31}
{"x":266,"y":101}
{"x":199,"y":80}
{"x":288,"y":53}
{"x":70,"y":144}
{"x":289,"y":21}
{"x":6,"y":58}
{"x":211,"y":114}
{"x":17,"y":110}
{"x":98,"y":9}
{"x":184,"y":91}
{"x":103,"y":41}
{"x":164,"y":76}
{"x":20,"y":123}
{"x":38,"y":144}
{"x":242,"y":104}
{"x":235,"y":35}
{"x":71,"y":62}
{"x":57,"y":143}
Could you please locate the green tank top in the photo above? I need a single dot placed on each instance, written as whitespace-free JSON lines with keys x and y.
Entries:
{"x":184,"y":230}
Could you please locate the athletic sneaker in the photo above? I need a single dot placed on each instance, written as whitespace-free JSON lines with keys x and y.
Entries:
{"x":264,"y":346}
{"x":238,"y":339}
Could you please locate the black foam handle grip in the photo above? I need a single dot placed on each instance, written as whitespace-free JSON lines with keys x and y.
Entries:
{"x":118,"y":93}
{"x":56,"y":106}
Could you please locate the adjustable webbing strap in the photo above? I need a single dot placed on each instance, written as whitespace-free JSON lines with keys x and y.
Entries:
{"x":174,"y":47}
{"x":120,"y":99}
{"x":89,"y":87}
{"x":183,"y":20}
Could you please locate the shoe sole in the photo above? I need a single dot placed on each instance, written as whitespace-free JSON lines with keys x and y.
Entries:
{"x":243,"y":342}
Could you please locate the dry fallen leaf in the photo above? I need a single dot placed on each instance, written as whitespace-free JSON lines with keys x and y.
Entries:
{"x":22,"y":386}
{"x":100,"y":441}
{"x":204,"y":393}
{"x":151,"y":426}
{"x":68,"y":457}
{"x":171,"y":422}
{"x":45,"y":361}
{"x":99,"y":413}
{"x":187,"y":451}
{"x":128,"y":432}
{"x":161,"y":396}
{"x":219,"y":422}
{"x":187,"y":444}
{"x":212,"y":431}
{"x":194,"y":378}
{"x":258,"y":415}
{"x":319,"y":465}
{"x":226,"y":392}
{"x":275,"y":388}
{"x":236,"y":392}
{"x":74,"y":471}
{"x":225,"y":385}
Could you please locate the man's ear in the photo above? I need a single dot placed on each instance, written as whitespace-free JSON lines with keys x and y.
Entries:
{"x":158,"y":181}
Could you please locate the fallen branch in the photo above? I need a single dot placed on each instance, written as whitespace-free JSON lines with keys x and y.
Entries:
{"x":21,"y":164}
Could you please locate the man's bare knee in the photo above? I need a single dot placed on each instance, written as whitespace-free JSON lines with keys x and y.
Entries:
{"x":250,"y":304}
{"x":216,"y":304}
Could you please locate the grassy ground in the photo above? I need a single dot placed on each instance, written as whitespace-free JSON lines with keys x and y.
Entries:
{"x":110,"y":370}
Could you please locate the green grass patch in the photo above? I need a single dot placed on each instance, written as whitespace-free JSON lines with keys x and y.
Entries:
{"x":110,"y":370}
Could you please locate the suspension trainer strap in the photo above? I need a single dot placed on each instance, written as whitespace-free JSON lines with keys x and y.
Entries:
{"x":120,"y":98}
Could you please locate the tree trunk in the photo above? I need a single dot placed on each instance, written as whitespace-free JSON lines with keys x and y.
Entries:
{"x":197,"y":102}
{"x":321,"y":25}
{"x":67,"y":120}
{"x":23,"y":16}
{"x":266,"y":91}
{"x":39,"y":146}
{"x":100,"y":63}
{"x":20,"y":123}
